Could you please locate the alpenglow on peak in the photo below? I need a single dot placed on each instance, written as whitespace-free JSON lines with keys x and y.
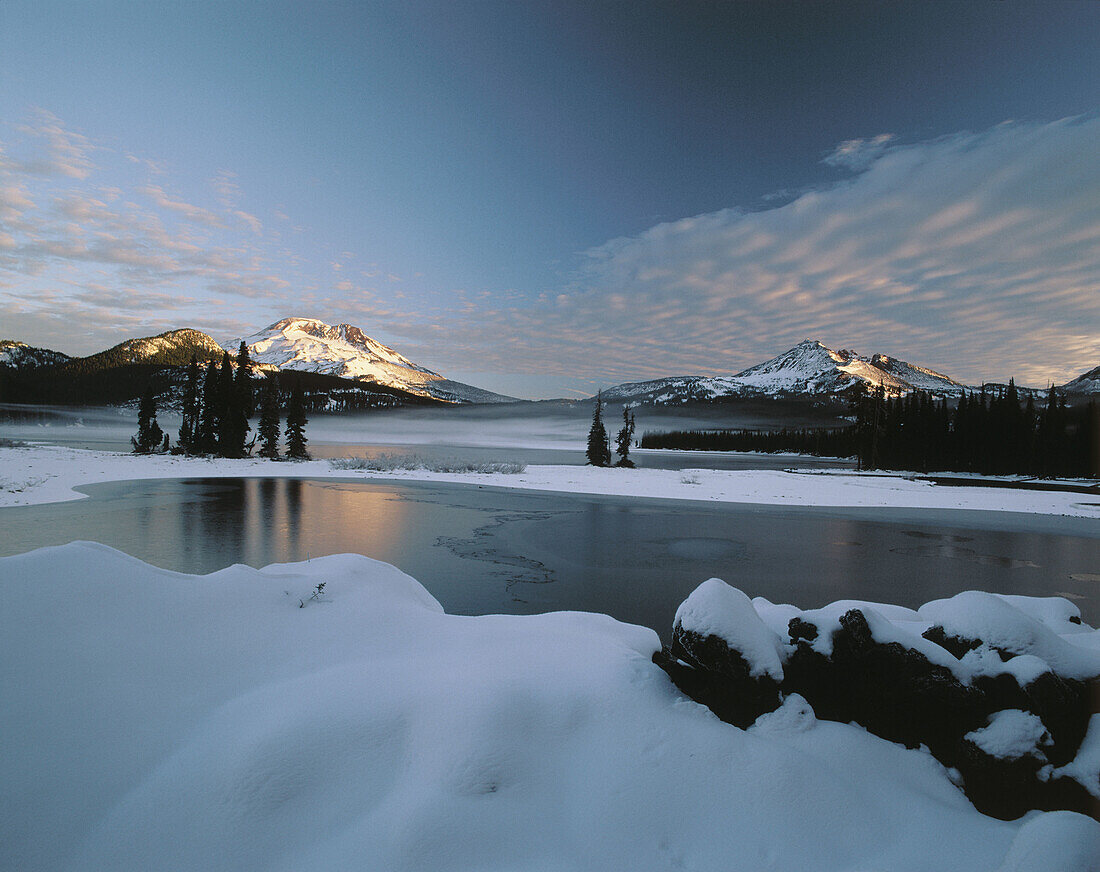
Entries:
{"x":311,"y":345}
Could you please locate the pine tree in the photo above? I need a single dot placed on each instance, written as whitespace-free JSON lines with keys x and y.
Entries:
{"x":624,"y":438}
{"x":296,"y":425}
{"x":243,"y":382}
{"x":268,"y":428}
{"x":598,"y":453}
{"x":189,"y":427}
{"x":232,"y":423}
{"x":149,"y":433}
{"x":207,"y":437}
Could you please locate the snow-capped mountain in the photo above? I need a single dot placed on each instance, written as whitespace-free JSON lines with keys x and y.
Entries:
{"x":309,"y":345}
{"x":19,"y":355}
{"x":808,"y":369}
{"x":1086,"y":383}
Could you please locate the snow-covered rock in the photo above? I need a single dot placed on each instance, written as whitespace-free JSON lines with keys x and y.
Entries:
{"x":1005,"y":627}
{"x":715,"y":608}
{"x":309,"y":345}
{"x":984,"y":682}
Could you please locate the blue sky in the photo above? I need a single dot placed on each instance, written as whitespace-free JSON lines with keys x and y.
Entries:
{"x":542,"y":198}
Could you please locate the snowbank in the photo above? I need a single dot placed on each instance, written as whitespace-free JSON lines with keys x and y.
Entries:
{"x":43,"y":474}
{"x":155,"y":720}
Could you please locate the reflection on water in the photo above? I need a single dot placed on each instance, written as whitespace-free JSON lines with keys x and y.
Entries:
{"x":481,"y":550}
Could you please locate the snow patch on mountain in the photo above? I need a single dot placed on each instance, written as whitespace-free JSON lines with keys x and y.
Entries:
{"x":309,"y":345}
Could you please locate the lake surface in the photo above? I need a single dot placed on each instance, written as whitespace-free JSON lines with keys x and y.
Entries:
{"x":530,"y":434}
{"x":489,"y":550}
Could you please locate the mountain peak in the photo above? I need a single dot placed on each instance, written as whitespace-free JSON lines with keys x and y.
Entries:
{"x":311,"y":345}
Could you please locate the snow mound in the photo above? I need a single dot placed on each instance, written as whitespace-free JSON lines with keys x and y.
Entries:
{"x":794,"y":716}
{"x":1010,"y":735}
{"x":155,"y":720}
{"x":715,"y":608}
{"x":1056,"y":612}
{"x":1058,"y":841}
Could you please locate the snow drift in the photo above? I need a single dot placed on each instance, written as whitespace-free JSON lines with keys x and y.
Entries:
{"x":154,"y":720}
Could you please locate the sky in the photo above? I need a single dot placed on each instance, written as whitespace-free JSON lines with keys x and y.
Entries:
{"x":546,"y":198}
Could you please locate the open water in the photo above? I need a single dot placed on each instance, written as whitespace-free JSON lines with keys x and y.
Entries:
{"x":489,"y":550}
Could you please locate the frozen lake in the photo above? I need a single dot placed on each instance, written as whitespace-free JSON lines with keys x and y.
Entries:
{"x":488,"y":550}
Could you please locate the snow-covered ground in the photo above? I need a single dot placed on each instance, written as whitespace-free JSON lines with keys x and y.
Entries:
{"x":155,"y":720}
{"x":42,"y":474}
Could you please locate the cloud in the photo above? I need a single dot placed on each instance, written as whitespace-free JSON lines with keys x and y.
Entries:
{"x":139,"y":233}
{"x":187,"y":210}
{"x":978,"y":254}
{"x":153,"y":167}
{"x":858,"y":154}
{"x":63,"y":152}
{"x":251,"y":221}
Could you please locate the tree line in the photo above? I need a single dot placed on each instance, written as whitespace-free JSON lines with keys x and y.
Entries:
{"x":992,"y":433}
{"x":820,"y":441}
{"x":217,"y":403}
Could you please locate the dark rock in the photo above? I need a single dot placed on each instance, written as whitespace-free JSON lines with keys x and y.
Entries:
{"x":895,"y":692}
{"x":957,"y":646}
{"x":799,"y":629}
{"x":710,"y":672}
{"x":1063,"y":704}
{"x":1002,"y":788}
{"x":1007,"y":788}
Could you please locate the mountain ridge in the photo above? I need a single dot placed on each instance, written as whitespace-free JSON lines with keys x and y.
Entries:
{"x":807,"y":369}
{"x":343,"y":351}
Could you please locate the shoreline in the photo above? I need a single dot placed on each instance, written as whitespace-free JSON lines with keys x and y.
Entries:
{"x":39,"y":474}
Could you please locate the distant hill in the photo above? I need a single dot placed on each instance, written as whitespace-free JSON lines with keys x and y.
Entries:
{"x":174,"y":348}
{"x":19,"y":355}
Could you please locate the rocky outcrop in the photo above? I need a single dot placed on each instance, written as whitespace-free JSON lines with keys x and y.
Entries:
{"x":1006,"y":727}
